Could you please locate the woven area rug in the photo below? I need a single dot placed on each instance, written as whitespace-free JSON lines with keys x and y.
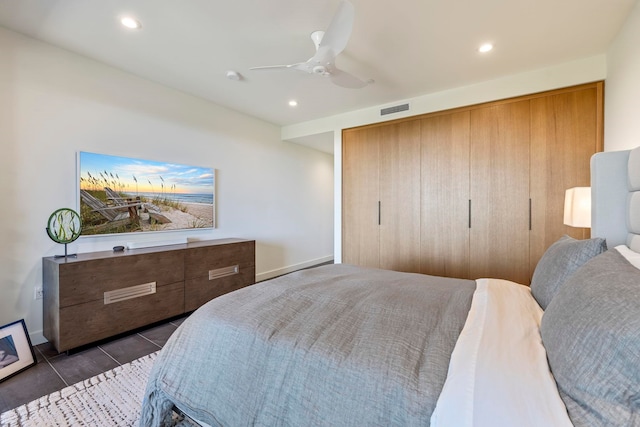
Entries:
{"x":112,"y":398}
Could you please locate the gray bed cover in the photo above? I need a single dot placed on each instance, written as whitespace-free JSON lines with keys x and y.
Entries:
{"x":337,"y":345}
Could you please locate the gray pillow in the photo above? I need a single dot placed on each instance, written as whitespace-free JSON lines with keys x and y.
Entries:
{"x":559,"y":262}
{"x":591,"y":331}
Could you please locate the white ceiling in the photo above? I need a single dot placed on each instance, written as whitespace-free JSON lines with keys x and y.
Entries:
{"x":409,"y":47}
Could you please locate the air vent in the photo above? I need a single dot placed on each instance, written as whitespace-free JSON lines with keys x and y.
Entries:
{"x":396,"y":109}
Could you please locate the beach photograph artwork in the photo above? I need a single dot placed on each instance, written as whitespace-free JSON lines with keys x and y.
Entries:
{"x":127,"y":195}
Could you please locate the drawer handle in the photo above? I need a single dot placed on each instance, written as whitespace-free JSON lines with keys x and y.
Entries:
{"x":129,"y":293}
{"x":223,"y":272}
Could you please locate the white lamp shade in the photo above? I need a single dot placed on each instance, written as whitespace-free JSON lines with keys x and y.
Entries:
{"x":577,"y":207}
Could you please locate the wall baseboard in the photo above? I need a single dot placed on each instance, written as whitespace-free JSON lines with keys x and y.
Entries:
{"x":289,"y":269}
{"x":37,"y":337}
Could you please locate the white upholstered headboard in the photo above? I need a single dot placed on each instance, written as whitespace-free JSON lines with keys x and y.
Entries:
{"x":615,"y":196}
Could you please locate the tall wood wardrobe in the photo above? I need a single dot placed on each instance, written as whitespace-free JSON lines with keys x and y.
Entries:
{"x":472,"y":192}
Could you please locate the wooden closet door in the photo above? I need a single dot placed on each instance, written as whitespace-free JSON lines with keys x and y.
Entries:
{"x":360,"y":196}
{"x":444,"y":244}
{"x":566,"y":130}
{"x":400,"y":196}
{"x":499,"y":239}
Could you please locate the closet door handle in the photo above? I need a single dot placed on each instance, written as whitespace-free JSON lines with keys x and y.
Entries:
{"x":469,"y":213}
{"x":529,"y":214}
{"x":379,"y":213}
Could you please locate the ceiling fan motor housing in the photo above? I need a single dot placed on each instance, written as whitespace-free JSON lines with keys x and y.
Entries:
{"x":320,"y":69}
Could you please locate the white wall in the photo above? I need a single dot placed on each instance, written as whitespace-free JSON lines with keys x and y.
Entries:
{"x":622,"y":90}
{"x":54,"y":103}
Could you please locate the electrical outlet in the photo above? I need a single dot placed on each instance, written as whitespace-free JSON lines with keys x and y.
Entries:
{"x":38,"y":293}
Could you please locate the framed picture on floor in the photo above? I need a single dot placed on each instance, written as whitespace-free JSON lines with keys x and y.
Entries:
{"x":16,"y":352}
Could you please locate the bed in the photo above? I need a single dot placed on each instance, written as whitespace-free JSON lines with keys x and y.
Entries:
{"x":342,"y":345}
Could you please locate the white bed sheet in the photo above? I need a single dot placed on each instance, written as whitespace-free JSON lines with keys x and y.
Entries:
{"x":632,"y":256}
{"x":499,"y":374}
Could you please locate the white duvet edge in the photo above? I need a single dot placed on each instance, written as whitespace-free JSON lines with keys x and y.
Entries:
{"x":498,"y":374}
{"x":630,"y":255}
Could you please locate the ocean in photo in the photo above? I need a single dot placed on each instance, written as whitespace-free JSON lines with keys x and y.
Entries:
{"x":203,"y":198}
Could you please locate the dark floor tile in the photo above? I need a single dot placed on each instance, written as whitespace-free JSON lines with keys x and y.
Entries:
{"x":159,"y":334}
{"x":130,"y":348}
{"x":29,"y":385}
{"x":178,"y":322}
{"x":47,"y":350}
{"x":39,"y":357}
{"x":85,"y":364}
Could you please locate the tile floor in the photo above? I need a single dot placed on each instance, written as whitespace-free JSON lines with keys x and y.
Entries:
{"x":56,"y":371}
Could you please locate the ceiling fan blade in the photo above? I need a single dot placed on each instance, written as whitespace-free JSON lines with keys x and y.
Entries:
{"x":344,"y":79}
{"x":274,"y":67}
{"x":300,"y":66}
{"x":337,"y":34}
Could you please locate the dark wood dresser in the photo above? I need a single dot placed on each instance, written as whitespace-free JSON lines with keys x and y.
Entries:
{"x":101,"y":294}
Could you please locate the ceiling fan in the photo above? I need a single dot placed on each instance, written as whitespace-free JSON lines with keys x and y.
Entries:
{"x":329,"y":44}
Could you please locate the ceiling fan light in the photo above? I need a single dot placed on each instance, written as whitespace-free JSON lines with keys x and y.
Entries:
{"x":293,"y":103}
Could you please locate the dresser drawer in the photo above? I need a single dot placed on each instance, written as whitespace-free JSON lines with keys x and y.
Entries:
{"x":87,"y":281}
{"x":202,"y":290}
{"x":199,"y":262}
{"x":93,"y":321}
{"x":215,"y":270}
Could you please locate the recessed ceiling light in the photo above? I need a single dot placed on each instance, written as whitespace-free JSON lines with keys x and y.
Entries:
{"x":131,"y":23}
{"x":293,"y":103}
{"x":485,"y":48}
